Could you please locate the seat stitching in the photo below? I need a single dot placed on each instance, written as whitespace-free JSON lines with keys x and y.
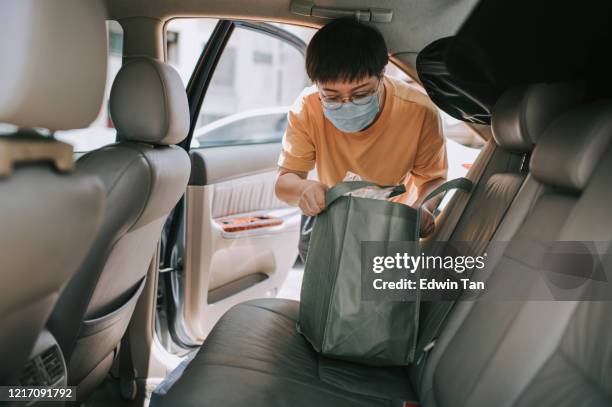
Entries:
{"x":269,"y":310}
{"x":125,"y":170}
{"x":494,"y":352}
{"x":327,"y":390}
{"x":157,"y":70}
{"x":151,"y":179}
{"x":582,"y":373}
{"x":91,"y":288}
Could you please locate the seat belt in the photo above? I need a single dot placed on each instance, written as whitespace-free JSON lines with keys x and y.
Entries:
{"x":463,"y":184}
{"x":451,"y":218}
{"x":428,"y":340}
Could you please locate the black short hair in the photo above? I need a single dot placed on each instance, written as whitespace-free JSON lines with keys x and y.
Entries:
{"x":346,"y":50}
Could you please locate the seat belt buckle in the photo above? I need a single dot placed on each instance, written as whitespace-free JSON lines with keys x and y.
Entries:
{"x":429,"y":346}
{"x":426,"y":349}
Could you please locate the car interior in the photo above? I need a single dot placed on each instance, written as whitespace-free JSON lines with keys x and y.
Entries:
{"x":146,"y":260}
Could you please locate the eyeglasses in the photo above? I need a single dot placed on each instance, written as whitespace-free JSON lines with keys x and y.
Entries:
{"x":360,"y":98}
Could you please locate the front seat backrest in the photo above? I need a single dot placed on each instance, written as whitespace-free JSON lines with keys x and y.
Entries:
{"x":52,"y":76}
{"x":144,"y":175}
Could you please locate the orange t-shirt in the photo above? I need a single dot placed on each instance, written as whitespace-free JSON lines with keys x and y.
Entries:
{"x":404,"y":145}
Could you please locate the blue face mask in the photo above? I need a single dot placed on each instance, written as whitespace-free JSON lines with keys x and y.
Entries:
{"x":351,"y":118}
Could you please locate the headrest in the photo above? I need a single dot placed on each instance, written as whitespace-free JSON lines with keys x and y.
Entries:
{"x":572,"y":146}
{"x":53,"y":70}
{"x":522,"y":113}
{"x":148,"y":103}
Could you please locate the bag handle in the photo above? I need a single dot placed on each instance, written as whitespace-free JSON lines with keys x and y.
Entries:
{"x":462,"y":183}
{"x":345,"y":187}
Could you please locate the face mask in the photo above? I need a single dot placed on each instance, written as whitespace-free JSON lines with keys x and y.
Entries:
{"x":351,"y":118}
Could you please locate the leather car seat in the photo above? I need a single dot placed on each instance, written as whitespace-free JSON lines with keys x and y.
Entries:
{"x":490,"y":353}
{"x":144,"y":176}
{"x":52,"y":77}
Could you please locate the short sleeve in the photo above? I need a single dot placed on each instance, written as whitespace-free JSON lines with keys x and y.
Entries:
{"x":298,"y":151}
{"x":431,"y":161}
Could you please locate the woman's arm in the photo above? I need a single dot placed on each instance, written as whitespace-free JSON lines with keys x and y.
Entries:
{"x":293,"y":188}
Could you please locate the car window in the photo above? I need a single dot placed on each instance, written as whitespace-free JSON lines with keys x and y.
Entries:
{"x":257,"y":79}
{"x":258,"y":126}
{"x":101,"y":131}
{"x":185,"y":40}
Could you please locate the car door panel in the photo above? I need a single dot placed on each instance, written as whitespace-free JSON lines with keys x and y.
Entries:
{"x":248,"y":194}
{"x":225,"y":267}
{"x":232,"y":240}
{"x":217,"y":164}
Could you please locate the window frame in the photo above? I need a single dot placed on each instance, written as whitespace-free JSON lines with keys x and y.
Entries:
{"x":206,"y":65}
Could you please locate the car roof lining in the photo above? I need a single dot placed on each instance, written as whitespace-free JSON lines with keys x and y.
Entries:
{"x":415,"y":23}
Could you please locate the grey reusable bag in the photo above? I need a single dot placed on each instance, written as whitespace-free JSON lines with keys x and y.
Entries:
{"x":332,"y":316}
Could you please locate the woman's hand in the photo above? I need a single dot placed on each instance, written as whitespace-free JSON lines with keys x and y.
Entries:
{"x":312,"y":199}
{"x":293,"y":188}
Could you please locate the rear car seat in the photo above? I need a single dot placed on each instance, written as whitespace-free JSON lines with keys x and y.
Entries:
{"x":52,"y":76}
{"x":488,"y":354}
{"x":519,"y":116}
{"x":539,"y":353}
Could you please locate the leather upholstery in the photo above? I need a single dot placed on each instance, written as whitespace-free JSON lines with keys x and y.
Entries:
{"x":53,"y":70}
{"x":148,"y":103}
{"x":517,"y":118}
{"x":567,"y":160}
{"x":494,"y":353}
{"x":533,"y":353}
{"x":522,"y":113}
{"x":255,"y":357}
{"x":490,"y":199}
{"x":52,"y":76}
{"x":488,"y":204}
{"x":576,"y":373}
{"x":48,"y":224}
{"x":143,"y":182}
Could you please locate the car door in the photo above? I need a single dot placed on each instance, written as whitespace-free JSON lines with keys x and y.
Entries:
{"x":232,"y":239}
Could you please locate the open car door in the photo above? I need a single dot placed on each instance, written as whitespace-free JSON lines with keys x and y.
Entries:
{"x":231,"y":239}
